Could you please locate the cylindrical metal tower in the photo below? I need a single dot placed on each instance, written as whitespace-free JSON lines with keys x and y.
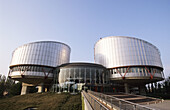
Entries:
{"x":129,"y":59}
{"x":35,"y":62}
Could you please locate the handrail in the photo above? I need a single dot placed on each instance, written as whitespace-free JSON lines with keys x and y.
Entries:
{"x":96,"y":102}
{"x":109,"y":104}
{"x":119,"y":102}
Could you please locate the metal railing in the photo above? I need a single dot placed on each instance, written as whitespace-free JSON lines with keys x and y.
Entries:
{"x":118,"y":104}
{"x":96,"y":105}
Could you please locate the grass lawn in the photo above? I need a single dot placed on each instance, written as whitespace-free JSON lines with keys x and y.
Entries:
{"x":42,"y":101}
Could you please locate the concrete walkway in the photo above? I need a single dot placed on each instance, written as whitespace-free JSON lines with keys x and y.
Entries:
{"x":165,"y":105}
{"x":139,"y":99}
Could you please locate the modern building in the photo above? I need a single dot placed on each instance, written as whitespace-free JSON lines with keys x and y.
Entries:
{"x":78,"y":75}
{"x":130,"y":61}
{"x":121,"y":64}
{"x":34,"y":63}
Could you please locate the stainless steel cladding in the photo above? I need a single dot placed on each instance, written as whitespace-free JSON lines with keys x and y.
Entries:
{"x":129,"y":58}
{"x":119,"y":51}
{"x":35,"y":62}
{"x":47,"y":53}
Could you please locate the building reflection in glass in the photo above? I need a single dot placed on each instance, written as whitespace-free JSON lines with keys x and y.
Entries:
{"x":74,"y":77}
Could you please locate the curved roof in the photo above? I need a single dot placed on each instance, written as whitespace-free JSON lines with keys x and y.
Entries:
{"x":49,"y":53}
{"x":129,"y":38}
{"x":44,"y":42}
{"x":81,"y":64}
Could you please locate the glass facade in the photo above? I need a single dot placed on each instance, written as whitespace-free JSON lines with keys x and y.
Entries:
{"x":116,"y":57}
{"x":32,"y":68}
{"x":136,"y":72}
{"x":45,"y":72}
{"x":81,"y":74}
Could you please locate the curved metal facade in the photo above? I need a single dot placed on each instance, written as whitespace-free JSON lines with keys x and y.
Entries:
{"x":118,"y":51}
{"x":46,"y":53}
{"x":38,"y":60}
{"x":129,"y":58}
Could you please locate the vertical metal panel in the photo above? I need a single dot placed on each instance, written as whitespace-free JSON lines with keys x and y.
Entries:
{"x":42,"y":53}
{"x":118,"y":51}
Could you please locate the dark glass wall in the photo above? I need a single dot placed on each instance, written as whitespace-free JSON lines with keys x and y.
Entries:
{"x":88,"y":75}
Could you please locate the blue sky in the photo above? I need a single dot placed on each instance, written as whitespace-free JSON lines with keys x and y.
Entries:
{"x":81,"y":23}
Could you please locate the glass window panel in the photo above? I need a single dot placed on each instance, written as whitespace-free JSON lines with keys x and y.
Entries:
{"x":88,"y":75}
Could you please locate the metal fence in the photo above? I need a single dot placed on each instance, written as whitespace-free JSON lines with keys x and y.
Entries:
{"x":96,"y":105}
{"x":118,"y":104}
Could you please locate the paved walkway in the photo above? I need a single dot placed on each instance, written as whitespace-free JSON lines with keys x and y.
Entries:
{"x":150,"y":102}
{"x":165,"y":105}
{"x":142,"y":100}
